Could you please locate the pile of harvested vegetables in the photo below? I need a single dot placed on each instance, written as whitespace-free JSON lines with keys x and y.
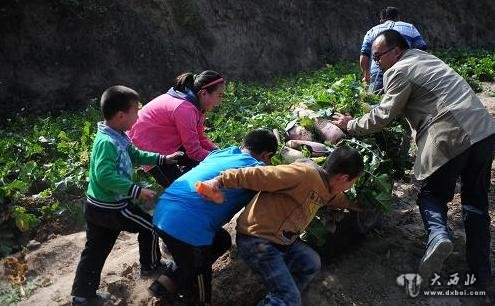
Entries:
{"x":312,"y":135}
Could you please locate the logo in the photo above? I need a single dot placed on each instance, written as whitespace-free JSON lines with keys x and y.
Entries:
{"x":412,"y":282}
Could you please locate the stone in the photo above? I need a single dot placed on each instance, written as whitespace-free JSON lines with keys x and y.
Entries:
{"x":33,"y":245}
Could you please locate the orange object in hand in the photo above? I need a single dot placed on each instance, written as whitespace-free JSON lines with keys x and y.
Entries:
{"x":206,"y":191}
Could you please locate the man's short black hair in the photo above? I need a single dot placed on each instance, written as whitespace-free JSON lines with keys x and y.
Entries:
{"x":394,"y":39}
{"x":390,"y":13}
{"x":344,"y":160}
{"x":115,"y":99}
{"x":261,"y":140}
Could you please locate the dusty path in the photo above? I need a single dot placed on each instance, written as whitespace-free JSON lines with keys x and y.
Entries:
{"x":363,"y":274}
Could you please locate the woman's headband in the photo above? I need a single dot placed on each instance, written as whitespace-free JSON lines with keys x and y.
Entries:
{"x":217,"y":81}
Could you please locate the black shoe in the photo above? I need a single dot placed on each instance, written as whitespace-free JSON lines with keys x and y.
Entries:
{"x":159,"y":291}
{"x":434,"y":257}
{"x":168,"y":267}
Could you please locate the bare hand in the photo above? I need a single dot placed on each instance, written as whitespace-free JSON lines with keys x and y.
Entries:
{"x":147,"y":195}
{"x":214,"y":183}
{"x":341,"y":120}
{"x":209,"y":190}
{"x":173,"y":158}
{"x":366,"y":78}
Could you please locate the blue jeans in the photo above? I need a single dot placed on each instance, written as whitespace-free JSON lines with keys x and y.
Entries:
{"x":285,"y":270}
{"x":474,"y":168}
{"x":376,"y":81}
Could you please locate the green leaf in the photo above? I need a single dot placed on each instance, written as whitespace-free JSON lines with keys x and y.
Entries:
{"x":306,"y":122}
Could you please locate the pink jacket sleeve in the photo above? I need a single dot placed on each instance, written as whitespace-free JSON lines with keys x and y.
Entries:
{"x":188,"y":122}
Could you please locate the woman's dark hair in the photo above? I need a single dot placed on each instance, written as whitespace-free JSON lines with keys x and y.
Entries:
{"x":393,"y":39}
{"x":207,"y":79}
{"x":115,"y":99}
{"x":344,"y":160}
{"x":261,"y":140}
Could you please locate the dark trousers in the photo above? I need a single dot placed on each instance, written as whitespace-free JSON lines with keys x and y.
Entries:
{"x":166,"y":174}
{"x":102,"y":229}
{"x":474,"y":168}
{"x":192,"y":275}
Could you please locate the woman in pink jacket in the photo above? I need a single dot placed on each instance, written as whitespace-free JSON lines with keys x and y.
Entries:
{"x":175,"y":121}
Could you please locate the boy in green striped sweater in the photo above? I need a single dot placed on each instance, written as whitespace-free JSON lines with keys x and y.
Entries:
{"x":109,"y":207}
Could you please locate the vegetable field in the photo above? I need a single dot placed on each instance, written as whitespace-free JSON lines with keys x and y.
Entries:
{"x":44,"y":161}
{"x":44,"y":164}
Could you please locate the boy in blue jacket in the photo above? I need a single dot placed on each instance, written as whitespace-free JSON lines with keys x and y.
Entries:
{"x":191,"y":226}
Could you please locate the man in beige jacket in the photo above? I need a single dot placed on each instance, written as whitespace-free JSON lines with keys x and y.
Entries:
{"x":269,"y":227}
{"x":455,"y":137}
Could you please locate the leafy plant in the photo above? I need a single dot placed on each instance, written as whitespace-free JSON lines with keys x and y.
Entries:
{"x":33,"y":163}
{"x":475,"y":66}
{"x":374,"y":187}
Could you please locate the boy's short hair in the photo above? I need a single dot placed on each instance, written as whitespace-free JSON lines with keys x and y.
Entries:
{"x":261,"y":140}
{"x":390,"y":13}
{"x":344,"y":160}
{"x":115,"y":99}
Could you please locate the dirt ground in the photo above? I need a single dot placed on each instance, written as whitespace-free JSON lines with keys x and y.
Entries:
{"x":361,"y":270}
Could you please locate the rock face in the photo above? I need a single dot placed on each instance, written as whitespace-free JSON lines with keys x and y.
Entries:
{"x":58,"y":54}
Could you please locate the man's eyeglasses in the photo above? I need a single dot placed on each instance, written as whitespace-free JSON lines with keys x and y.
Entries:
{"x":377,"y":56}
